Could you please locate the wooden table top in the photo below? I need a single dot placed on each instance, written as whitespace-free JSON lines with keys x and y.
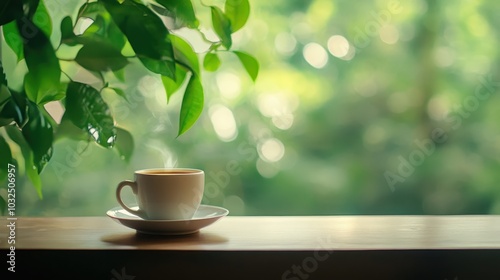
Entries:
{"x":282,"y":233}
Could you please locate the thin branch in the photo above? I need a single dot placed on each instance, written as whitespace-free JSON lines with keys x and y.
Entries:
{"x":67,"y":75}
{"x":82,"y":11}
{"x":66,"y":59}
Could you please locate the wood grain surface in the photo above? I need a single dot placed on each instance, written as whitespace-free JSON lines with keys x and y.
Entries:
{"x":287,"y":233}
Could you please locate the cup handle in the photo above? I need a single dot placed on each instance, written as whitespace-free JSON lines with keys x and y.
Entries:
{"x":132,"y":185}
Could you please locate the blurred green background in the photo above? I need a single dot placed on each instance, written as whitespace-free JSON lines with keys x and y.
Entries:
{"x":372,"y":107}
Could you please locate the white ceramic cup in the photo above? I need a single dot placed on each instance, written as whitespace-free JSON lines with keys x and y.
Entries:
{"x":165,"y":193}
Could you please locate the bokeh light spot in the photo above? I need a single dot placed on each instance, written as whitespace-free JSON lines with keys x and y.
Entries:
{"x":389,"y":34}
{"x":223,"y":122}
{"x":283,"y":121}
{"x":266,"y":169}
{"x":315,"y":55}
{"x":443,"y":57}
{"x":271,"y":150}
{"x":285,"y":43}
{"x":338,"y":46}
{"x":438,"y":107}
{"x":234,"y":204}
{"x":229,"y":85}
{"x":279,"y":107}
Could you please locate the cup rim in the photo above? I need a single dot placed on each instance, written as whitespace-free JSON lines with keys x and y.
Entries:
{"x":188,"y":171}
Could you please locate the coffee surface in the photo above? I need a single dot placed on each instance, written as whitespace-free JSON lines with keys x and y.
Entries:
{"x":166,"y":172}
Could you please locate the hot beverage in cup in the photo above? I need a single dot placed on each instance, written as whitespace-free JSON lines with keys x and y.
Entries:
{"x":165,"y":193}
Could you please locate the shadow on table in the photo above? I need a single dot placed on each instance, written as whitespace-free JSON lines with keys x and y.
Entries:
{"x":152,"y":241}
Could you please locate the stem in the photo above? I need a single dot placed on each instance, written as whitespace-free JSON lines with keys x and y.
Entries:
{"x":67,"y":75}
{"x":204,"y":38}
{"x":66,"y":59}
{"x":82,"y":11}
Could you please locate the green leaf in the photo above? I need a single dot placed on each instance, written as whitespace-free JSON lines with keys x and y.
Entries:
{"x":39,"y":135}
{"x":181,"y":11}
{"x":172,"y":86}
{"x":5,"y":158}
{"x":114,"y":34}
{"x":103,"y":35}
{"x":31,"y":170}
{"x":185,"y":54}
{"x":119,"y":91}
{"x":88,"y":111}
{"x":60,"y":94}
{"x":4,"y":90}
{"x":3,"y":78}
{"x":237,"y":11}
{"x":50,"y":119}
{"x":104,"y":30}
{"x":161,"y":67}
{"x":42,"y":80}
{"x":42,"y":19}
{"x":34,"y":177}
{"x":3,"y":206}
{"x":30,"y":7}
{"x":250,"y":64}
{"x":148,"y":39}
{"x":211,"y":62}
{"x":192,"y":104}
{"x":12,"y":112}
{"x":4,"y":120}
{"x":13,"y":39}
{"x":124,"y":144}
{"x":222,"y":26}
{"x":98,"y":75}
{"x":100,"y":57}
{"x":120,"y":74}
{"x":13,"y":108}
{"x":10,"y":10}
{"x":67,"y":34}
{"x":91,"y":10}
{"x":4,"y":96}
{"x":66,"y":129}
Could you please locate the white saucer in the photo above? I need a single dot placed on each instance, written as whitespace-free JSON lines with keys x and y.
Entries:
{"x":204,"y":216}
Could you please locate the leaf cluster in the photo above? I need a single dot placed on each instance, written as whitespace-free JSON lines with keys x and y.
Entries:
{"x":116,"y":25}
